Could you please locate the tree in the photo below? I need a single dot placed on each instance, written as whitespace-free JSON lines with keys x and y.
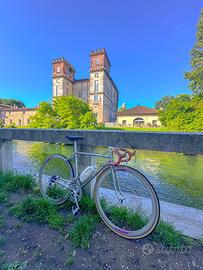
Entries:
{"x":161,"y":104}
{"x":183,"y":113}
{"x":69,"y":109}
{"x":122,"y":108}
{"x":195,"y":76}
{"x":1,"y":124}
{"x":88,"y":120}
{"x":66,"y":112}
{"x":12,"y":102}
{"x":45,"y":117}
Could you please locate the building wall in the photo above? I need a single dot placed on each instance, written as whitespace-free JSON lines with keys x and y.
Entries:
{"x":81,"y":89}
{"x":110,"y":99}
{"x":148,"y":119}
{"x":19,"y":117}
{"x":103,"y":99}
{"x":96,"y":94}
{"x":62,"y":86}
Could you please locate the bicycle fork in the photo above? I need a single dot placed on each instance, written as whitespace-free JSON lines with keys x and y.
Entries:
{"x":118,"y":192}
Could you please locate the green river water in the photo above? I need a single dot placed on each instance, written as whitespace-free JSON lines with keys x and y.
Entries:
{"x":177,"y":178}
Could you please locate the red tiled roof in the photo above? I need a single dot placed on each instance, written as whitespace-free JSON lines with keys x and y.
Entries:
{"x":138,"y":110}
{"x":17,"y":109}
{"x":5,"y":106}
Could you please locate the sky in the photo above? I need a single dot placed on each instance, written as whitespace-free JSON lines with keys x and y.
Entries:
{"x":148,"y":43}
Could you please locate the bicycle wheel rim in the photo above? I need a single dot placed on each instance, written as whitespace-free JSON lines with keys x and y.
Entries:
{"x":55,"y":176}
{"x":133,"y":229}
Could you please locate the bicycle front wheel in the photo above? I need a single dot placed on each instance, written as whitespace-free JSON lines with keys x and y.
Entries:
{"x":127,"y":202}
{"x":55,"y":176}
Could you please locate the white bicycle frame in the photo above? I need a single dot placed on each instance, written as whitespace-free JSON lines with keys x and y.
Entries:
{"x":109,"y":157}
{"x":75,"y":155}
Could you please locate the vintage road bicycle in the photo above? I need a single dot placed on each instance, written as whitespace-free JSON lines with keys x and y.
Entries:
{"x":124,"y":197}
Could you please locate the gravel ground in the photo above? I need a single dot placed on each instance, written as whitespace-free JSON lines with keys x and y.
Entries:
{"x":46,"y":249}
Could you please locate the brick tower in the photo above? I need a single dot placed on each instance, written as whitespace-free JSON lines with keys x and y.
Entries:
{"x":63,"y":77}
{"x":103,"y":97}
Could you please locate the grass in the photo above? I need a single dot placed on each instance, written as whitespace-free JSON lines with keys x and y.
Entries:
{"x":158,"y":129}
{"x":14,"y":182}
{"x":82,"y":231}
{"x":122,"y":216}
{"x":2,"y":240}
{"x":166,"y":234}
{"x":15,"y":265}
{"x":4,"y":196}
{"x":40,"y":211}
{"x":87,"y":205}
{"x":1,"y":222}
{"x":70,"y":260}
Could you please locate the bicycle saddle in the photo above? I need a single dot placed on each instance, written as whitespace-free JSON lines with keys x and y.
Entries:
{"x":74,"y":138}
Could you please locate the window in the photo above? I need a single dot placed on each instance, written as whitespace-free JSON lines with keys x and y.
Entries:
{"x":57,"y":89}
{"x":154,"y":123}
{"x":28,"y":121}
{"x":19,"y":122}
{"x":58,"y":69}
{"x":11,"y":121}
{"x":124,"y":122}
{"x":96,"y":75}
{"x":138,"y":121}
{"x":96,"y":98}
{"x":96,"y":86}
{"x":96,"y":115}
{"x":97,"y":62}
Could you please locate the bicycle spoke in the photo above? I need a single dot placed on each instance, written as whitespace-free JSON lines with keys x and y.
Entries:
{"x":127,"y":202}
{"x":55,"y":178}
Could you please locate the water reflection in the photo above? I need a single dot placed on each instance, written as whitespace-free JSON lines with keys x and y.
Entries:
{"x":177,"y":178}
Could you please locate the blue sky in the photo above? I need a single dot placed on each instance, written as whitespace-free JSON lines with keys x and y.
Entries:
{"x":148,"y":43}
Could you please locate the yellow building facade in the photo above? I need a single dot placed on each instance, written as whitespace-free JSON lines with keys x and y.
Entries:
{"x":16,"y":116}
{"x":139,"y":116}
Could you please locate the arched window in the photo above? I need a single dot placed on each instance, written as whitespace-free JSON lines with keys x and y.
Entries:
{"x":96,"y":86}
{"x":138,"y":121}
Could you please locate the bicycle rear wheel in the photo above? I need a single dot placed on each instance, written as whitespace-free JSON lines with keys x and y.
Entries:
{"x":55,"y":176}
{"x":127,"y":202}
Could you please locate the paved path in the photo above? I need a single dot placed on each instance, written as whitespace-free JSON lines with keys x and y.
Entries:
{"x":188,"y":220}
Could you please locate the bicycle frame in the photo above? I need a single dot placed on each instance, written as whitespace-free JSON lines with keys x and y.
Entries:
{"x":75,"y":157}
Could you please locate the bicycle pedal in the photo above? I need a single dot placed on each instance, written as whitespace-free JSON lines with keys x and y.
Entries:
{"x":75,"y":210}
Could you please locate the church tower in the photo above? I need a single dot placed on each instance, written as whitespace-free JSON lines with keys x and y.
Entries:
{"x":99,"y":69}
{"x":62,"y":77}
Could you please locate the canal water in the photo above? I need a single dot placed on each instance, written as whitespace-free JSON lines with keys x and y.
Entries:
{"x":177,"y":178}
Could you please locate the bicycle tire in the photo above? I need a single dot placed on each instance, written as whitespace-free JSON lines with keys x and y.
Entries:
{"x":60,"y":168}
{"x":134,"y":233}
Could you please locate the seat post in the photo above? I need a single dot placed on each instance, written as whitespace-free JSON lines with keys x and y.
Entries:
{"x":75,"y":146}
{"x":76,"y":157}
